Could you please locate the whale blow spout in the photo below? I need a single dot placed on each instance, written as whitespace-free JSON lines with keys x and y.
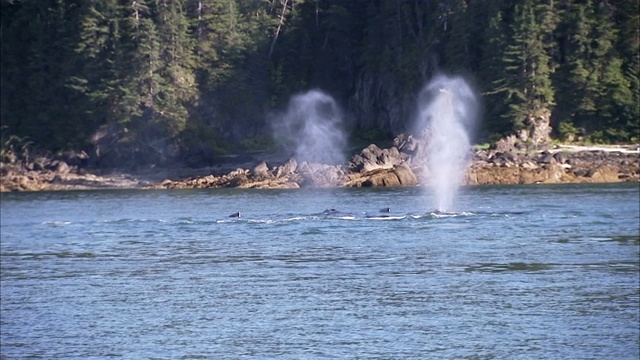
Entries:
{"x":314,"y":125}
{"x":447,"y":114}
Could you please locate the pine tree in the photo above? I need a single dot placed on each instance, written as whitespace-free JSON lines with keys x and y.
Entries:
{"x":100,"y":49}
{"x":458,"y":57}
{"x":37,"y":101}
{"x":627,"y":14}
{"x":596,"y":95}
{"x":574,"y":78}
{"x":492,"y":72}
{"x":527,"y":87}
{"x":614,"y":101}
{"x":177,"y":87}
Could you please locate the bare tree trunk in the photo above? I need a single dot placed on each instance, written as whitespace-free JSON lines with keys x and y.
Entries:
{"x":275,"y":37}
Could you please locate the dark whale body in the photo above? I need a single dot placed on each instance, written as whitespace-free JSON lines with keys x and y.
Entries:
{"x":330,"y":212}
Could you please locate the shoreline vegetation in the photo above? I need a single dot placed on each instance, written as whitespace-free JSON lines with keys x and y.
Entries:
{"x":152,"y":82}
{"x":399,"y":165}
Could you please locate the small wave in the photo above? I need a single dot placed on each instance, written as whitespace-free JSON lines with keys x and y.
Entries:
{"x":44,"y":255}
{"x":280,"y":221}
{"x":129,"y":220}
{"x":349,"y":217}
{"x":295,"y":218}
{"x":260,"y":221}
{"x":185,"y":222}
{"x":312,"y":231}
{"x":134,"y":242}
{"x":392,"y":217}
{"x":56,"y":223}
{"x":510,"y":267}
{"x":439,"y":214}
{"x":346,"y":217}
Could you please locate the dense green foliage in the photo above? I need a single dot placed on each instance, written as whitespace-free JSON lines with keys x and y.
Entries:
{"x":150,"y":80}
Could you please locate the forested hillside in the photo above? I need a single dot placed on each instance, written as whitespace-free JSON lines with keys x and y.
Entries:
{"x":154,"y":80}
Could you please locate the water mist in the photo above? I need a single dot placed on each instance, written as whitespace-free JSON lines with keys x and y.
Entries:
{"x":447,"y":113}
{"x":312,"y":124}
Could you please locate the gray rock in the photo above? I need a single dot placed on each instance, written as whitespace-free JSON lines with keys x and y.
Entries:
{"x":546,"y":158}
{"x":560,"y":158}
{"x":372,"y":158}
{"x":58,"y":166}
{"x":286,"y":169}
{"x":261,"y":171}
{"x":505,"y":144}
{"x":405,"y":175}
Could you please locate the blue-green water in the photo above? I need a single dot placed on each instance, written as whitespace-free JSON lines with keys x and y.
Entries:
{"x":517,"y":272}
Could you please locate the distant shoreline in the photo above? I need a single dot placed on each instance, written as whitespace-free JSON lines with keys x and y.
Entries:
{"x":562,"y":164}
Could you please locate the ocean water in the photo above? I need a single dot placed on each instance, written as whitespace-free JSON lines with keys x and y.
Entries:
{"x":514,"y":272}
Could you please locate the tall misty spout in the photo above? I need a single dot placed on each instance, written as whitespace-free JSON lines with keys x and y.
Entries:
{"x":312,"y":125}
{"x":447,"y":112}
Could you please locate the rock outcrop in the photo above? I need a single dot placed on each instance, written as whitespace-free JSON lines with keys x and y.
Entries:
{"x":398,"y":175}
{"x":555,"y":166}
{"x":373,"y":158}
{"x":391,"y":167}
{"x":402,"y":164}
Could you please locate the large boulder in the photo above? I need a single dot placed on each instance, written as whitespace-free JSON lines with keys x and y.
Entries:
{"x":320,"y":175}
{"x":261,"y":171}
{"x":400,"y":175}
{"x":372,"y":158}
{"x":235,"y":178}
{"x":546,"y":157}
{"x":275,"y":183}
{"x":405,"y":175}
{"x":603,"y":174}
{"x":286,"y":169}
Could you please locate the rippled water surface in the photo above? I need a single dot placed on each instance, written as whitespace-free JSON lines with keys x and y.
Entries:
{"x":516,"y":272}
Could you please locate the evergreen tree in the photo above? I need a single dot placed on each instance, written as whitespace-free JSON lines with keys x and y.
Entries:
{"x":492,"y":73}
{"x":527,"y":86}
{"x":177,"y":85}
{"x":100,"y":48}
{"x":614,"y":100}
{"x":37,"y":63}
{"x":574,"y":78}
{"x":148,"y":79}
{"x":627,"y":14}
{"x":458,"y":57}
{"x":596,"y":95}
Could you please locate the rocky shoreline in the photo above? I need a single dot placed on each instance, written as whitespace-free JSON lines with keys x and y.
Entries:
{"x":398,"y":165}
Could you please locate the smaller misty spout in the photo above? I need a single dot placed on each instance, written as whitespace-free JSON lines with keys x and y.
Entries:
{"x":312,"y":126}
{"x":447,"y":115}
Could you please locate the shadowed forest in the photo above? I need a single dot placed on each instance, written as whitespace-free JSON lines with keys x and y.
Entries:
{"x":156,"y":81}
